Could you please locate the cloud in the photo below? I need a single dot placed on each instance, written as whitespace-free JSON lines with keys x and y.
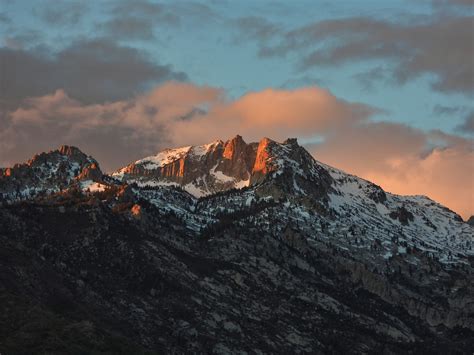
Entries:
{"x":450,"y":4}
{"x":441,"y":46}
{"x":114,"y":132}
{"x":468,"y":125}
{"x":90,"y":71}
{"x":368,"y":79}
{"x":4,"y":18}
{"x":305,"y":80}
{"x":256,"y":27}
{"x":128,"y":27}
{"x":273,"y":113}
{"x":401,"y":159}
{"x":171,"y":114}
{"x":61,"y":13}
{"x":441,"y":110}
{"x":136,"y":20}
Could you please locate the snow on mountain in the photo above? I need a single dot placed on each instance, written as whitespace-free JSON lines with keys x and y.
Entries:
{"x":262,"y":221}
{"x":47,"y":173}
{"x":324,"y":202}
{"x":201,"y":170}
{"x":275,"y":185}
{"x":163,"y":158}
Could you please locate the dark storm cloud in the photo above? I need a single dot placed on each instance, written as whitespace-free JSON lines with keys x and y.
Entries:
{"x":442,"y":46}
{"x":90,"y":71}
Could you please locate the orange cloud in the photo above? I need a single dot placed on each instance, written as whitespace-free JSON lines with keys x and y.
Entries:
{"x":401,"y":159}
{"x":274,"y":113}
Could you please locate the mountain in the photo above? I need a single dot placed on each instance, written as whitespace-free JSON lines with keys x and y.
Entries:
{"x":201,"y":170}
{"x":49,"y":172}
{"x":227,"y":248}
{"x":217,"y":166}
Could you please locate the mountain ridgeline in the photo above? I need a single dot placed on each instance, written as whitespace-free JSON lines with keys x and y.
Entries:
{"x":228,"y":247}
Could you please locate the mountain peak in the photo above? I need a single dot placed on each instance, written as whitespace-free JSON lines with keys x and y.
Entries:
{"x":219,"y":166}
{"x":48,"y":172}
{"x":234,"y":146}
{"x":69,"y":150}
{"x":262,"y":165}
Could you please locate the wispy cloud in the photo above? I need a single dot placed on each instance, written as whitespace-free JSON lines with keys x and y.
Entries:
{"x":438,"y":45}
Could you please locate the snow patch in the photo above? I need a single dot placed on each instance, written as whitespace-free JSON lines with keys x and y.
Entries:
{"x":163,"y":158}
{"x":91,"y":186}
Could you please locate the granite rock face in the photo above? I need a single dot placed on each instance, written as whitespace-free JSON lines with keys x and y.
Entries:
{"x":218,"y":166}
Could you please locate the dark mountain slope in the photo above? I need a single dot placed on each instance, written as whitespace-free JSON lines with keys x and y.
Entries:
{"x":306,"y":259}
{"x":104,"y":281}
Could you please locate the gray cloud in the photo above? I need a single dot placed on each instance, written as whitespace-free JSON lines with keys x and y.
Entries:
{"x":441,"y":110}
{"x":90,"y":71}
{"x":4,"y":18}
{"x":442,"y":46}
{"x":255,"y":27}
{"x":145,"y":9}
{"x":22,"y":39}
{"x":137,"y":19}
{"x":128,"y":27}
{"x":451,"y":3}
{"x":169,"y":14}
{"x":305,"y":80}
{"x":61,"y":13}
{"x":368,"y":79}
{"x":468,"y":125}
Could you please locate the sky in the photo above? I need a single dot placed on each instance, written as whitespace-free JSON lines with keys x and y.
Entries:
{"x":381,"y":89}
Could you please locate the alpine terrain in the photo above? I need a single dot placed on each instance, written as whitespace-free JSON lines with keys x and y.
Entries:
{"x":226,"y":248}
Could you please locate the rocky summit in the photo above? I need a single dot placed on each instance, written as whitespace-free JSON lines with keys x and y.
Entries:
{"x":226,"y":248}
